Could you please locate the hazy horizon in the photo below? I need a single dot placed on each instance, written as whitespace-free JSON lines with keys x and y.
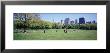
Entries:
{"x":57,"y":17}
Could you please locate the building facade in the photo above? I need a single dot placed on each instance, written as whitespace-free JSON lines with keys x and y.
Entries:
{"x":66,"y":21}
{"x":76,"y":22}
{"x":82,"y":20}
{"x":94,"y":22}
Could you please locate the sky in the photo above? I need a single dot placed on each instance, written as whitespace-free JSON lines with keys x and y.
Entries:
{"x":57,"y":17}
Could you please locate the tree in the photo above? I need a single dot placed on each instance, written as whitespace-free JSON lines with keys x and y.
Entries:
{"x":22,"y":20}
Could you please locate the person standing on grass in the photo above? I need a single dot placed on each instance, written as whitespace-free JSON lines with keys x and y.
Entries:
{"x":44,"y":30}
{"x":66,"y":30}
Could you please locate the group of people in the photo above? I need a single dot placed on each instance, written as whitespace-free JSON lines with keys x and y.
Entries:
{"x":65,"y":30}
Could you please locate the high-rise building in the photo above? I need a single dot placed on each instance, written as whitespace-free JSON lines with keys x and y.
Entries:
{"x":71,"y":22}
{"x":76,"y":21}
{"x":93,"y":21}
{"x":61,"y":21}
{"x":89,"y":22}
{"x":66,"y":21}
{"x":82,"y":20}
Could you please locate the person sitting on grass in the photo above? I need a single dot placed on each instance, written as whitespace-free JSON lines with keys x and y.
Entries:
{"x":65,"y":30}
{"x":56,"y":30}
{"x":44,"y":30}
{"x":74,"y":30}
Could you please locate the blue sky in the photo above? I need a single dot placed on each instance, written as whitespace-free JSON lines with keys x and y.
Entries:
{"x":57,"y":17}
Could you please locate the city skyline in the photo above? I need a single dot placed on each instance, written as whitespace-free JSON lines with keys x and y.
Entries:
{"x":57,"y":17}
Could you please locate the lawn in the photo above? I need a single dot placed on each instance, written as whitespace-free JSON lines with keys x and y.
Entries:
{"x":51,"y":34}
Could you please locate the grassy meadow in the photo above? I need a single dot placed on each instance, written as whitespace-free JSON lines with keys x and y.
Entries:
{"x":51,"y":34}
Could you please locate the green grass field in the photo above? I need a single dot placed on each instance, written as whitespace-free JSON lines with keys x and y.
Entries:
{"x":51,"y":34}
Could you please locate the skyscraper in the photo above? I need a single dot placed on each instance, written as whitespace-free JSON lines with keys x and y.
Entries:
{"x":93,"y":21}
{"x":82,"y":20}
{"x":61,"y":21}
{"x":88,"y":22}
{"x":76,"y":21}
{"x":66,"y":21}
{"x":71,"y":22}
